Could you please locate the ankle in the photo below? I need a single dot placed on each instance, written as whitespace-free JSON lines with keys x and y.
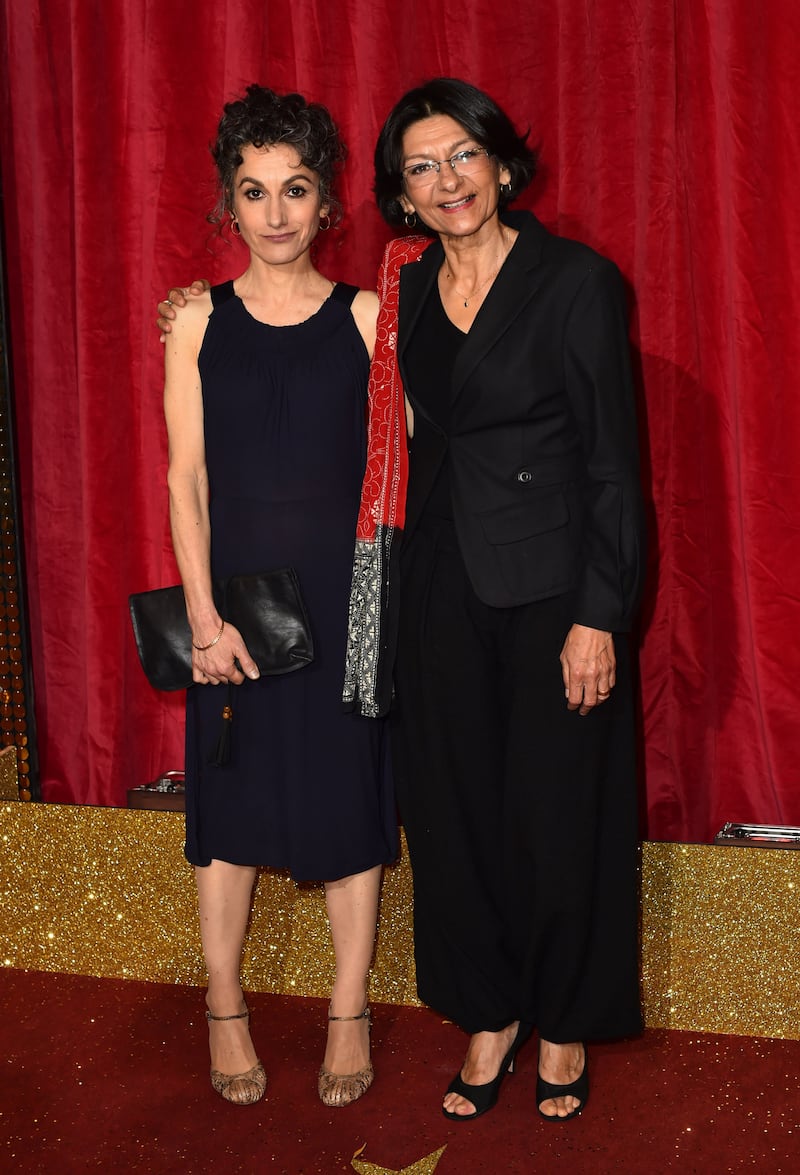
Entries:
{"x":488,"y":1041}
{"x":225,"y":1000}
{"x":348,"y":1000}
{"x":361,"y":1018}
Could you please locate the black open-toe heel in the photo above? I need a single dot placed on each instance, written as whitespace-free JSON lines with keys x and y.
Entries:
{"x":579,"y":1088}
{"x":483,"y":1097}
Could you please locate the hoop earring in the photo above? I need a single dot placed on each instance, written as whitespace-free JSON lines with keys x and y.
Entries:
{"x":505,"y":190}
{"x":410,"y":219}
{"x":324,"y":227}
{"x":235,"y":230}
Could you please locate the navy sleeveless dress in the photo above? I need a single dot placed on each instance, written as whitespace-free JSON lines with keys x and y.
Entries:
{"x":307,"y":786}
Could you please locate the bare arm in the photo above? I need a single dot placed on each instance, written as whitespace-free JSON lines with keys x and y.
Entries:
{"x":188,"y":500}
{"x":365,"y":313}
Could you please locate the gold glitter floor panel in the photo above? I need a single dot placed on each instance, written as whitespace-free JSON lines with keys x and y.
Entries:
{"x":110,"y":1075}
{"x":107,"y":892}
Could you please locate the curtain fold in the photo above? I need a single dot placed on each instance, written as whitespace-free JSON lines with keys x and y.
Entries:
{"x":668,"y":140}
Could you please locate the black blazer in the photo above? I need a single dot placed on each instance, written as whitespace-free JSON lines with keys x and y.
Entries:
{"x":542,"y":445}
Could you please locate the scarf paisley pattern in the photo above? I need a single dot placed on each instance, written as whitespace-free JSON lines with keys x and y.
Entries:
{"x":373,"y":602}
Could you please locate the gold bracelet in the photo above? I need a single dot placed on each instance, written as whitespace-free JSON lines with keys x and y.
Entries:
{"x":202,"y":648}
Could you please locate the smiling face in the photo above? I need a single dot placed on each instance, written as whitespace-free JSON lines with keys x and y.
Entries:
{"x":453,"y":205}
{"x":276,"y":201}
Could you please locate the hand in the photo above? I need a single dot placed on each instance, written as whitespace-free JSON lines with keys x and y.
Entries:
{"x":175,"y":299}
{"x":588,"y":667}
{"x":226,"y":660}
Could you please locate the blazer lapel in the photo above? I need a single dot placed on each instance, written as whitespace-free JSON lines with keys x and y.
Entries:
{"x":511,"y":292}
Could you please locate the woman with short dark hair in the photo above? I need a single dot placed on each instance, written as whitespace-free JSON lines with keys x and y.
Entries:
{"x":519,"y":574}
{"x":480,"y":117}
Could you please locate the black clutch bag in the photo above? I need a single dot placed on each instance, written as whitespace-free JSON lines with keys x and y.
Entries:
{"x":267,"y":609}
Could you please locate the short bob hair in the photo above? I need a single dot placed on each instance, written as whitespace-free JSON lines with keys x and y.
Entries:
{"x":263,"y":118}
{"x":479,"y":114}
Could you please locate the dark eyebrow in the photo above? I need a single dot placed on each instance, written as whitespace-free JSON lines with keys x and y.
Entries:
{"x":456,"y":148}
{"x":247,"y":179}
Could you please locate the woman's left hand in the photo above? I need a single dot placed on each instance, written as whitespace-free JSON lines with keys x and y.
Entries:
{"x":588,"y":667}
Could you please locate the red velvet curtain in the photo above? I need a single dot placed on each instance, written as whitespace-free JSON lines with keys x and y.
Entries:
{"x":669,"y":141}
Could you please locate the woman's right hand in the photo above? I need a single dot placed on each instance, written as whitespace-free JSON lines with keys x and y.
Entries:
{"x":175,"y":299}
{"x":225,"y":660}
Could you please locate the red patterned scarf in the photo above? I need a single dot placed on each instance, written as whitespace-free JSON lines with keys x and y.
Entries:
{"x":372,"y":621}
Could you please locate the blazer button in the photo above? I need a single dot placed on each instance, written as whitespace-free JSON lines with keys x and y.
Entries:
{"x":524,"y":475}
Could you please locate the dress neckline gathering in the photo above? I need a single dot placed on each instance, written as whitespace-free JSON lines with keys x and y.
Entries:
{"x":288,"y":325}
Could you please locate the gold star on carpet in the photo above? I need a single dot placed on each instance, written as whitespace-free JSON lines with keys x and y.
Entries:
{"x":425,"y":1166}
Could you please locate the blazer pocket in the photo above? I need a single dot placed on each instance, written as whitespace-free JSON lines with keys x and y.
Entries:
{"x":537,"y":515}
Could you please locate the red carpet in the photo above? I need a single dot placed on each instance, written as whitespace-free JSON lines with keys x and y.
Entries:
{"x":108,"y":1075}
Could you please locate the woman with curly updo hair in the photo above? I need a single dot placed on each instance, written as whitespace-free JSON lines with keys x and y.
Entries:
{"x":266,"y":380}
{"x":287,"y":119}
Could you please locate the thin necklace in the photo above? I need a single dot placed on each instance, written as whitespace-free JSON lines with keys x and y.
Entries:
{"x":477,"y":290}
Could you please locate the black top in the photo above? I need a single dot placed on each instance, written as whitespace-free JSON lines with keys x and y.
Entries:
{"x":431,"y":359}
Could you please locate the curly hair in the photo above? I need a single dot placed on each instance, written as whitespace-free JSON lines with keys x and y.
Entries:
{"x":479,"y":114}
{"x":262,"y":118}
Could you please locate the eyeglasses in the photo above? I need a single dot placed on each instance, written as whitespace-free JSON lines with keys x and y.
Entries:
{"x":425,"y":171}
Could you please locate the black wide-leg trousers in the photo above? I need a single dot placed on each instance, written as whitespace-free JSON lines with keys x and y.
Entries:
{"x":520,"y":816}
